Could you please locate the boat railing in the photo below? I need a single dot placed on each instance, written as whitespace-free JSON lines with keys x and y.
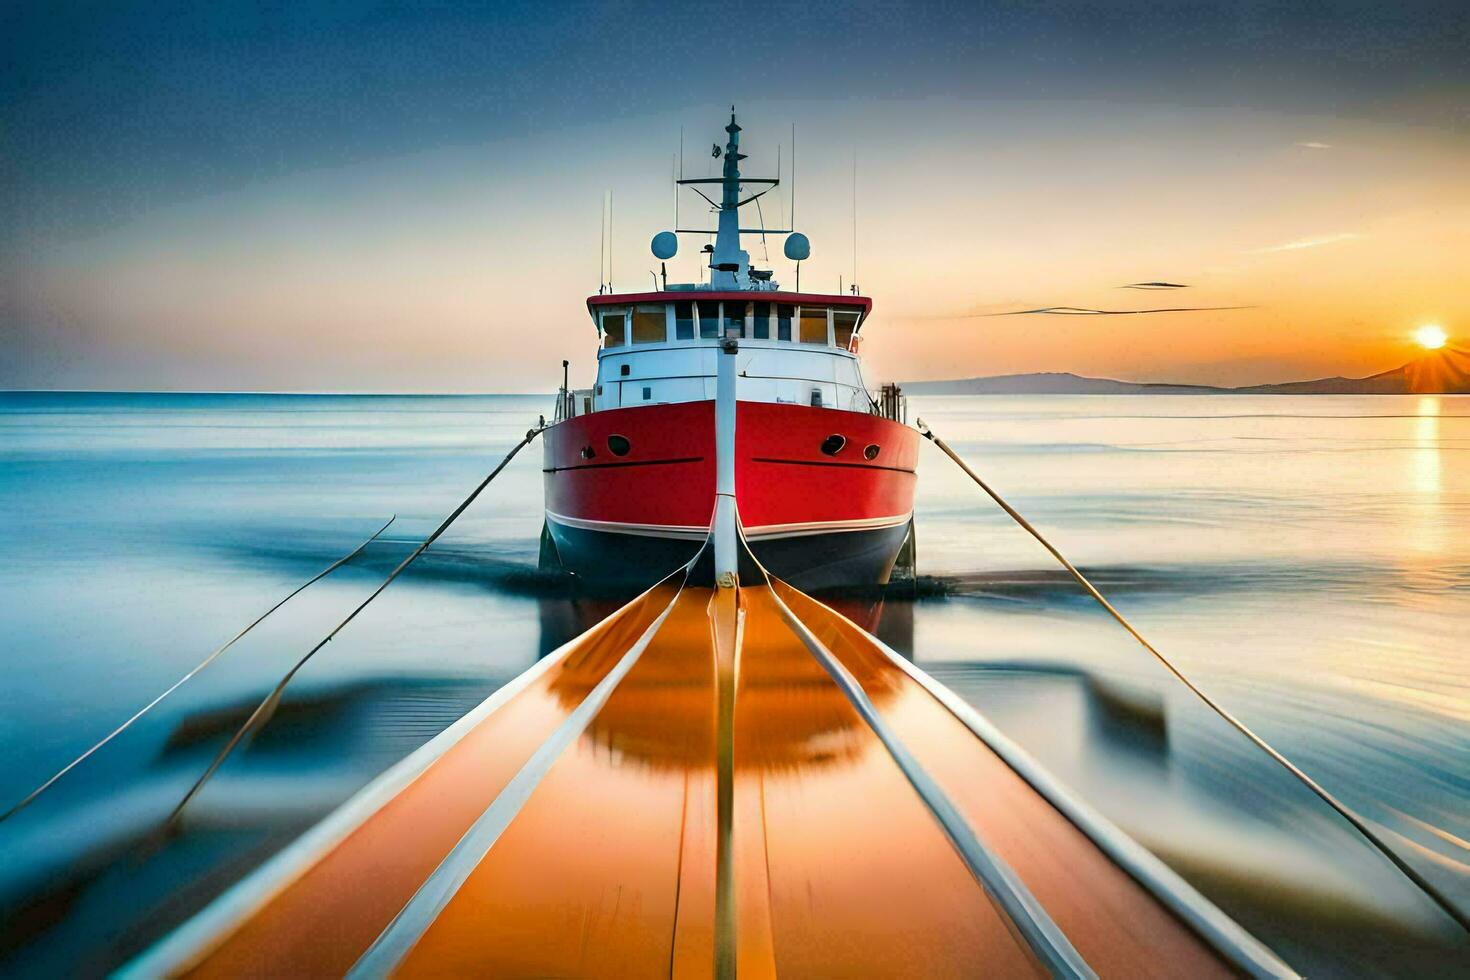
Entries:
{"x":891,"y":404}
{"x":573,"y":402}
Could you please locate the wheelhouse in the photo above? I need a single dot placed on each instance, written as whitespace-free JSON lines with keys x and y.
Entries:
{"x":795,"y":348}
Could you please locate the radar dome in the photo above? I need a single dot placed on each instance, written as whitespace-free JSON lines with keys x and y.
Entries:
{"x":798,"y":246}
{"x":665,"y":244}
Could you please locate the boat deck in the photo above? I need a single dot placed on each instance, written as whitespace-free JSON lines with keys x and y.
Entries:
{"x":690,"y":789}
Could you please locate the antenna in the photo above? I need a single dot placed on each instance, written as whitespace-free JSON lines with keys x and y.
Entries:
{"x":602,"y":244}
{"x":609,"y":242}
{"x":854,"y":221}
{"x":791,"y":219}
{"x":778,"y":181}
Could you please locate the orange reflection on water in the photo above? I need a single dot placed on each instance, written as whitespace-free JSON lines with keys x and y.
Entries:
{"x":1426,"y":532}
{"x":1428,"y":514}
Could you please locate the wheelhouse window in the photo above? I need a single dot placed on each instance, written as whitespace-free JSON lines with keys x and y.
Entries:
{"x":813,"y":325}
{"x":614,"y":329}
{"x":650,"y":324}
{"x":734,"y":319}
{"x":684,"y":328}
{"x":784,"y":314}
{"x":709,"y":319}
{"x":760,"y":322}
{"x":844,"y":325}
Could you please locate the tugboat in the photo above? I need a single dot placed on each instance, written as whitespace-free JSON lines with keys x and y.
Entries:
{"x":824,"y":471}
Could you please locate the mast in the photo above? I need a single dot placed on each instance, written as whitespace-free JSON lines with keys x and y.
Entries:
{"x":729,"y":266}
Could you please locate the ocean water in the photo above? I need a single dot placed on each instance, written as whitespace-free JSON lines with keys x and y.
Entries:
{"x":1305,"y":559}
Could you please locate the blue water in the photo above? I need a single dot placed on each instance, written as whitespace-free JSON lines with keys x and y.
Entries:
{"x":1306,"y":559}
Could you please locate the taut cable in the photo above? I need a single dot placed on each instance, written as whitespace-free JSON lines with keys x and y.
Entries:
{"x":215,"y":655}
{"x":263,"y":711}
{"x":1347,"y":813}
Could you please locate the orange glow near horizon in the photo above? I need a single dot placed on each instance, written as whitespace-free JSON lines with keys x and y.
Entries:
{"x":423,"y":273}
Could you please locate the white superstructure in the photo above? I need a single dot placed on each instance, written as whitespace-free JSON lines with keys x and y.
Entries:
{"x":666,"y":351}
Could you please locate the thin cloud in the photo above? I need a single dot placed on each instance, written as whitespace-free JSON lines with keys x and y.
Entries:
{"x":1083,"y":311}
{"x":1310,"y":242}
{"x":1314,"y":145}
{"x":1156,"y":285}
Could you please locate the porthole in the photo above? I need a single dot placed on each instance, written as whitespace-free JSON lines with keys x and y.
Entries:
{"x":588,"y":452}
{"x":618,"y":445}
{"x":832,"y":445}
{"x":871,"y":451}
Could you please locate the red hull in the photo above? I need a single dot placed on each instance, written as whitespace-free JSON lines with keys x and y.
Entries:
{"x":859,"y":499}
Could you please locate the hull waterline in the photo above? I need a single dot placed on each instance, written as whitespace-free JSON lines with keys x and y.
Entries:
{"x":818,"y":561}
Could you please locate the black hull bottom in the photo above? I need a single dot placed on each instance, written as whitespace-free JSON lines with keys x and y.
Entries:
{"x":812,"y":562}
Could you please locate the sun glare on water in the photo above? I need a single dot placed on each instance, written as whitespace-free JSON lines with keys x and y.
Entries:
{"x":1431,"y":337}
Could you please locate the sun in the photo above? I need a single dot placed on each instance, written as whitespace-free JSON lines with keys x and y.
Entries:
{"x":1431,"y":337}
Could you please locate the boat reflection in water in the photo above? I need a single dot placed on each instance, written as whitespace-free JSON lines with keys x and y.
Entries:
{"x":566,"y":615}
{"x":613,"y":795}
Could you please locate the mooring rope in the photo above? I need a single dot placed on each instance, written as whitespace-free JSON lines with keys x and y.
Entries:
{"x":1358,"y":823}
{"x":263,"y":711}
{"x":215,"y":655}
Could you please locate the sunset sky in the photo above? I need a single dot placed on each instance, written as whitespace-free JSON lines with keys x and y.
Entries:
{"x":350,"y":197}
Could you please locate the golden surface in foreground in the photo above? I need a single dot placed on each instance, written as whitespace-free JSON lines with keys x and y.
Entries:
{"x":685,"y":834}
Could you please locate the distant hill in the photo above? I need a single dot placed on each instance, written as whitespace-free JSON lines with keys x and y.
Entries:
{"x":1444,"y":372}
{"x":1051,"y":383}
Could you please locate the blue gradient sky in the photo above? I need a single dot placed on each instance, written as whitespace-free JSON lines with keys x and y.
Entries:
{"x":373,"y":197}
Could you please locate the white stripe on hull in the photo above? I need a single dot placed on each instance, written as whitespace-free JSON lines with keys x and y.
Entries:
{"x":766,"y":532}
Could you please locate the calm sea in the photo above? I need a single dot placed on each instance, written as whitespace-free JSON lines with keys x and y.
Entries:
{"x":1307,"y":560}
